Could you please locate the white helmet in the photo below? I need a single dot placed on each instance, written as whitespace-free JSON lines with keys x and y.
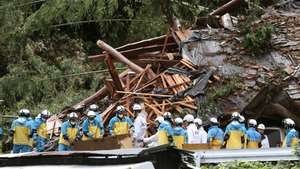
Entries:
{"x":93,"y":107}
{"x":45,"y":114}
{"x":289,"y":122}
{"x":189,"y":118}
{"x":167,"y":115}
{"x":252,"y":122}
{"x":159,"y":119}
{"x":73,"y":115}
{"x":198,"y":121}
{"x":91,"y":113}
{"x":261,"y":126}
{"x":24,"y":112}
{"x":213,"y":120}
{"x":178,"y":120}
{"x":242,"y":119}
{"x":120,"y":108}
{"x":235,"y":114}
{"x":136,"y":107}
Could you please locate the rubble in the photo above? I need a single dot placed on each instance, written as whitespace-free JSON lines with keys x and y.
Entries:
{"x":173,"y":72}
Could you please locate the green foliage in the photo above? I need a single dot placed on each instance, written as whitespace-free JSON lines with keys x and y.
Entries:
{"x":254,"y":165}
{"x":258,"y":39}
{"x":224,"y":89}
{"x":257,"y":36}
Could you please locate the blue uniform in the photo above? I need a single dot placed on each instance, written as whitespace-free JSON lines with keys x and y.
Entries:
{"x":21,"y":131}
{"x":119,"y":126}
{"x":92,"y":129}
{"x":179,"y":131}
{"x":1,"y":132}
{"x":253,"y":138}
{"x":215,"y":137}
{"x":165,"y":130}
{"x":98,"y":117}
{"x":180,"y":137}
{"x":292,"y":138}
{"x":236,"y":132}
{"x":39,"y":125}
{"x":69,"y":132}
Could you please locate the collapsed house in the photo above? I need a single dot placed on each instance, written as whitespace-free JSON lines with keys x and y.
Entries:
{"x":176,"y":72}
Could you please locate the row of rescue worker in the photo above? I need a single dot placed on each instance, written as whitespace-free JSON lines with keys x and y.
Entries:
{"x":25,"y":131}
{"x":236,"y":136}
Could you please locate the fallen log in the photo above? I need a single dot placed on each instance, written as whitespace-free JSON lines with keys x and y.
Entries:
{"x":226,"y":7}
{"x":118,"y":56}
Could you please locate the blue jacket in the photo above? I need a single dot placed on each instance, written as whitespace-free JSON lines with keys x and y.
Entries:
{"x":165,"y":125}
{"x":179,"y":131}
{"x":290,"y":135}
{"x":236,"y":126}
{"x":116,"y":119}
{"x":253,"y":135}
{"x":216,"y":133}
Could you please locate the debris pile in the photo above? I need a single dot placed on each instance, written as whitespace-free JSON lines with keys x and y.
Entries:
{"x":173,"y":72}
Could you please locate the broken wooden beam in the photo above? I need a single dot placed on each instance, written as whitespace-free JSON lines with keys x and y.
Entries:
{"x":118,"y":56}
{"x":113,"y":73}
{"x":145,"y":94}
{"x":134,"y":53}
{"x":226,"y":7}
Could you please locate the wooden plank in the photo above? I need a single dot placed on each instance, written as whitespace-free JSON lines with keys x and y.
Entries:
{"x":195,"y":146}
{"x":188,"y":105}
{"x":156,"y":111}
{"x":145,"y":94}
{"x":187,"y":65}
{"x":170,"y":82}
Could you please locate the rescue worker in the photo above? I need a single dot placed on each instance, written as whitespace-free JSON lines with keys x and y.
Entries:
{"x":39,"y":129}
{"x":180,"y":135}
{"x":234,"y":133}
{"x":94,"y":107}
{"x":20,"y":132}
{"x":242,"y":122}
{"x":165,"y":132}
{"x":292,"y":135}
{"x":152,"y":141}
{"x":168,"y":117}
{"x":215,"y":135}
{"x":201,"y":134}
{"x":140,"y":125}
{"x":253,"y":138}
{"x":91,"y":127}
{"x":30,"y":122}
{"x":191,"y":129}
{"x":120,"y":124}
{"x":69,"y":133}
{"x":264,"y":138}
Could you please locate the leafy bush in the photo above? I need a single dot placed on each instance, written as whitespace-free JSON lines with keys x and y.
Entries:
{"x":258,"y":39}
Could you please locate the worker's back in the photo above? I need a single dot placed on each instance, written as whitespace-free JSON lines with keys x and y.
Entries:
{"x":235,"y":133}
